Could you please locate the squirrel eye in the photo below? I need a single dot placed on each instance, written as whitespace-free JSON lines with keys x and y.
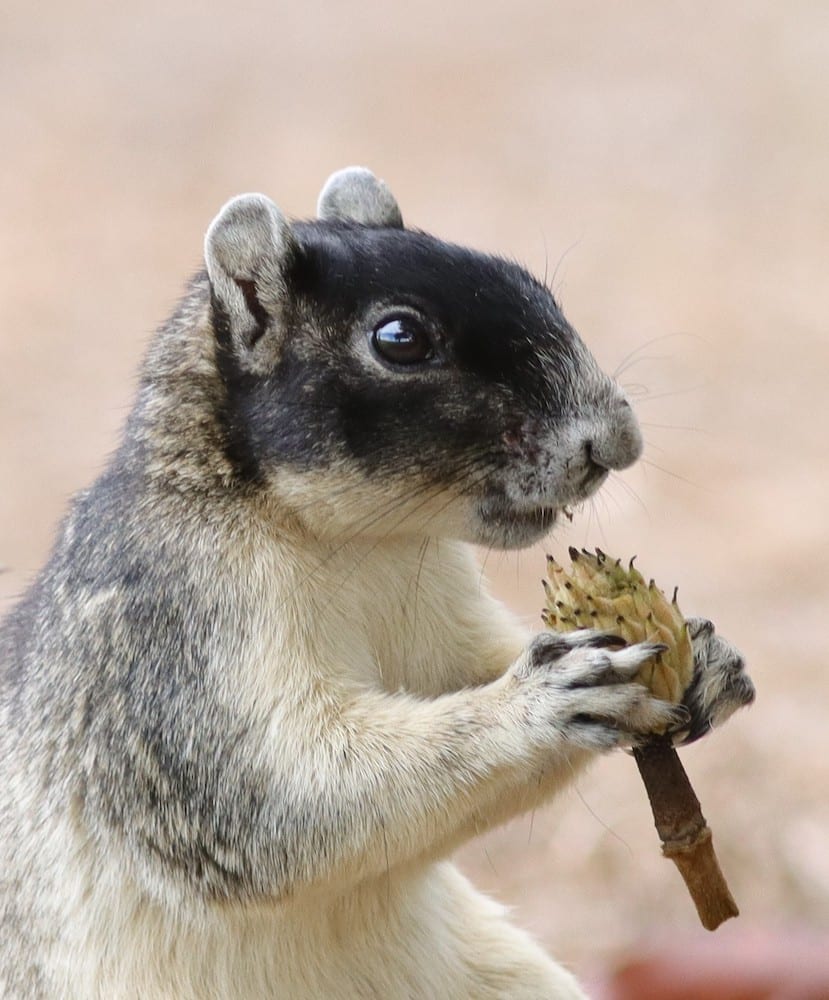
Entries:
{"x":402,"y":340}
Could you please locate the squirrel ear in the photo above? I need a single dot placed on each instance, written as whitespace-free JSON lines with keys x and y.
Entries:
{"x":246,"y":250}
{"x":356,"y":195}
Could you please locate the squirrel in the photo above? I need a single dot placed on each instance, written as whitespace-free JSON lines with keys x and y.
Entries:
{"x":258,"y":694}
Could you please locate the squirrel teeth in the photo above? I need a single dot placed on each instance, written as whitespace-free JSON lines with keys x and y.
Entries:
{"x":599,"y":592}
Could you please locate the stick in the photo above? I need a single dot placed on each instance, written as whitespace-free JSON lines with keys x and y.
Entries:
{"x":685,"y":836}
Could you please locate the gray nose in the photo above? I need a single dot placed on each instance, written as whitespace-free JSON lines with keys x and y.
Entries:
{"x":618,"y":440}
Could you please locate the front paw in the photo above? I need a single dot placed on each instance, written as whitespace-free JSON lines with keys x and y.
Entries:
{"x":720,"y":684}
{"x":581,"y":687}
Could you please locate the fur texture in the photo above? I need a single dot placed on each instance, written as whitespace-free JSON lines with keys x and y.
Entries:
{"x":258,"y":695}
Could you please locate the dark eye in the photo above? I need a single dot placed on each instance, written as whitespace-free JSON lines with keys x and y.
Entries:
{"x":402,"y":340}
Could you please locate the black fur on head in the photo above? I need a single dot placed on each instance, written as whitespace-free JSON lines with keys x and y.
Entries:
{"x":391,"y":356}
{"x":487,"y":323}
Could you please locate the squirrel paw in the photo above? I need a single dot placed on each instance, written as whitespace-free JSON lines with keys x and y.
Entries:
{"x":581,"y":687}
{"x":720,"y":684}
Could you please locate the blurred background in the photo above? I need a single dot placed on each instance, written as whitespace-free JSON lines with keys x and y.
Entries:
{"x":665,"y":165}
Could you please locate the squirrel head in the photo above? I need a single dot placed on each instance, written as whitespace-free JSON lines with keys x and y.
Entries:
{"x":381,"y":381}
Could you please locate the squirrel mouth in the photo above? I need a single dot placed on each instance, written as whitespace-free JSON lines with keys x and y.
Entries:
{"x":498,"y":511}
{"x":503,"y":525}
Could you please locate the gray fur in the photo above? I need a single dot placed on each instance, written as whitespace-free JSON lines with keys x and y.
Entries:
{"x":720,"y":684}
{"x":246,"y":249}
{"x":354,"y":194}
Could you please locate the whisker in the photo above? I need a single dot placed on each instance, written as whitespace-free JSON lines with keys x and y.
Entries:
{"x":561,"y":260}
{"x":627,"y":365}
{"x":631,"y":358}
{"x":635,"y":390}
{"x":358,"y":562}
{"x":608,"y":829}
{"x":342,"y":540}
{"x":430,"y":492}
{"x":674,"y":475}
{"x":673,"y":427}
{"x":669,"y":395}
{"x":593,"y":513}
{"x":487,"y":554}
{"x":415,"y":583}
{"x":631,"y":492}
{"x":651,"y":445}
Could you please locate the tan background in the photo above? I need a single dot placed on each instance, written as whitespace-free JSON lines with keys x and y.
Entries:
{"x":666,"y":163}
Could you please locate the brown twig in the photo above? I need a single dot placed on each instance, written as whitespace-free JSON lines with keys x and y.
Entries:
{"x":685,"y":836}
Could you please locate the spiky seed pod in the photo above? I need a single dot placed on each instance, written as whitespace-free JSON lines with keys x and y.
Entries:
{"x":600,"y":592}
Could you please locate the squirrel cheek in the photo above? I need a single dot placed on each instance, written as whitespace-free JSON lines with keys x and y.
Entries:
{"x":523,"y":439}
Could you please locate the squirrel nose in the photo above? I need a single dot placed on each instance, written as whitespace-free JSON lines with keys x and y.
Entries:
{"x":618,"y":442}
